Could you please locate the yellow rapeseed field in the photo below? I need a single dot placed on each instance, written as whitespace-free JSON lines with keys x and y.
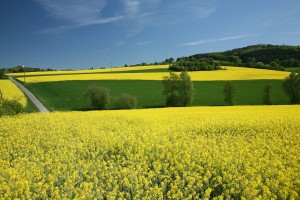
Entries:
{"x":11,"y":91}
{"x":87,"y":71}
{"x":231,"y":73}
{"x":240,"y":152}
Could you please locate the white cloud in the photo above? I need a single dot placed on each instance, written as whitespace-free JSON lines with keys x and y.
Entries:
{"x":139,"y":14}
{"x":120,"y":43}
{"x":234,"y":37}
{"x":194,"y":43}
{"x":76,"y":13}
{"x":132,"y":7}
{"x":204,"y":9}
{"x":142,"y":43}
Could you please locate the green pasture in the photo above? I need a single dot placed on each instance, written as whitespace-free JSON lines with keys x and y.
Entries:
{"x":69,"y":95}
{"x":30,"y":107}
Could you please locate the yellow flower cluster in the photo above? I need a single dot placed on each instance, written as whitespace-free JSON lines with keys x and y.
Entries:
{"x":241,"y":152}
{"x":231,"y":73}
{"x":11,"y":91}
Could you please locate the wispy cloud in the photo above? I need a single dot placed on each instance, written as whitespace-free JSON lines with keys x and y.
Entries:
{"x":234,"y":37}
{"x":120,"y":43}
{"x":293,"y":32}
{"x":75,"y":13}
{"x":204,"y":9}
{"x":142,"y":43}
{"x":139,"y":14}
{"x":116,"y":45}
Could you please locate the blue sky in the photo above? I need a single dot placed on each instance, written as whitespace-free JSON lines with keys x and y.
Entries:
{"x":79,"y":34}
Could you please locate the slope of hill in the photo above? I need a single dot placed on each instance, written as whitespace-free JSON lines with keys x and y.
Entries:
{"x":258,"y":56}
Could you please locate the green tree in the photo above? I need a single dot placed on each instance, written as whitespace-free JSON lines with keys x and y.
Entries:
{"x":178,"y":89}
{"x":2,"y":73}
{"x":229,"y":92}
{"x":235,"y":60}
{"x":268,"y":99}
{"x":171,"y":87}
{"x":125,"y":101}
{"x":291,"y":87}
{"x":186,"y":89}
{"x":99,"y":97}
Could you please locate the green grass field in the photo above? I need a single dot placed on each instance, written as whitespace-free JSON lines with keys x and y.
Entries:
{"x":30,"y":107}
{"x":69,"y":95}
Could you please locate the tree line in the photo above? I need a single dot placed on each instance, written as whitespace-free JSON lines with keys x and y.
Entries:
{"x":193,"y":65}
{"x":179,"y":90}
{"x":275,"y":57}
{"x":100,"y":99}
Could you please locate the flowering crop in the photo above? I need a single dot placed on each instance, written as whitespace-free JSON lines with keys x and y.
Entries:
{"x":231,"y":73}
{"x":11,"y":91}
{"x":91,"y":71}
{"x":237,"y":152}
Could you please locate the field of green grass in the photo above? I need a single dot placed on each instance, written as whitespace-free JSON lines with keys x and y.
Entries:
{"x":69,"y":95}
{"x":30,"y":107}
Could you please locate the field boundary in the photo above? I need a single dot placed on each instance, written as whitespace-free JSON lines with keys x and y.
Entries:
{"x":34,"y":100}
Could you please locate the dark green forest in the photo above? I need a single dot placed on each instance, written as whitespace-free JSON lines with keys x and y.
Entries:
{"x":263,"y":56}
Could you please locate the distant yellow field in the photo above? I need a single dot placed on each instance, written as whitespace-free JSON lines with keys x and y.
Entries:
{"x":11,"y":91}
{"x":231,"y":73}
{"x":239,"y":152}
{"x":89,"y":71}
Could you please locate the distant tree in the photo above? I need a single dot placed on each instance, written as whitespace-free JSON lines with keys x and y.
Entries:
{"x":2,"y":73}
{"x":235,"y":60}
{"x":125,"y":101}
{"x":169,"y":60}
{"x":229,"y":92}
{"x":291,"y":87}
{"x":260,"y":65}
{"x":171,"y":87}
{"x":267,"y":98}
{"x":178,"y":89}
{"x":186,"y":89}
{"x":99,"y":97}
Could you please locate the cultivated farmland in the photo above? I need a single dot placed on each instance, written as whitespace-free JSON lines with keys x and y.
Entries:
{"x":66,"y":91}
{"x":11,"y":91}
{"x":170,"y":153}
{"x":231,"y":73}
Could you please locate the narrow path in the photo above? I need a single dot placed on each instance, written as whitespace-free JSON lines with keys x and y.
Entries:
{"x":36,"y":102}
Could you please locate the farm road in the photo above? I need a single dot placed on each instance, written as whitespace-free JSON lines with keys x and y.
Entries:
{"x":36,"y":102}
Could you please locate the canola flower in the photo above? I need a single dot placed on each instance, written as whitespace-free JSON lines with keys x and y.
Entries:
{"x":11,"y":91}
{"x":241,"y":152}
{"x":91,"y":71}
{"x":231,"y":73}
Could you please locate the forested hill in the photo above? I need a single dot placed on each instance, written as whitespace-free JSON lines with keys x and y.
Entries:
{"x":280,"y":55}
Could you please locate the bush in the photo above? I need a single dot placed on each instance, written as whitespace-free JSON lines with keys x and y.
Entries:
{"x":10,"y":107}
{"x":291,"y":87}
{"x":99,"y":97}
{"x":125,"y":101}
